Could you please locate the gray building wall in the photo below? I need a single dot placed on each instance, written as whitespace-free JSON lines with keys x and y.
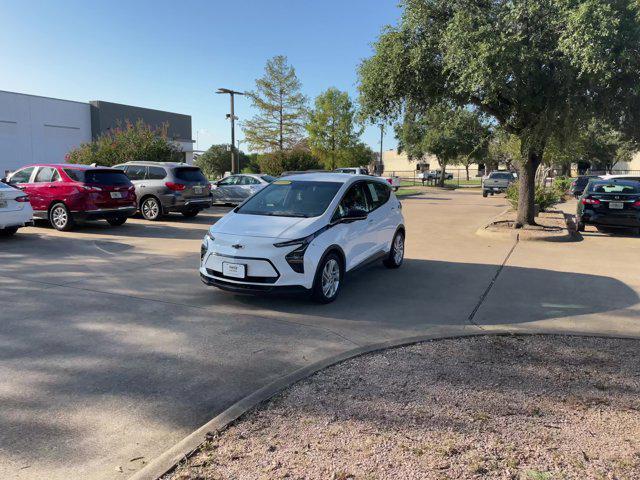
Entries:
{"x":107,"y":115}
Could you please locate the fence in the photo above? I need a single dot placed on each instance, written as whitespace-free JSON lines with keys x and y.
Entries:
{"x":455,"y":177}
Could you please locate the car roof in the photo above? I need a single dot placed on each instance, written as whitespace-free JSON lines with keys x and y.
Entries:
{"x":621,"y":177}
{"x":76,"y":166}
{"x":335,"y":177}
{"x":158,"y":164}
{"x":616,"y":181}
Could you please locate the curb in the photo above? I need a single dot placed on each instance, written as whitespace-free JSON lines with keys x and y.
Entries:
{"x":166,"y":461}
{"x":569,"y":233}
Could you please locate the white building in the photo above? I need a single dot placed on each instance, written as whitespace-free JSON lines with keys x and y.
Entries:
{"x":37,"y":129}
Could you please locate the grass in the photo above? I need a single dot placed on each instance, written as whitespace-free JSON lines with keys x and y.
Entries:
{"x":403,"y":192}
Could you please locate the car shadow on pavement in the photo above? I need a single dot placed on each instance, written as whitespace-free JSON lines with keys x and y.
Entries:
{"x":431,"y":292}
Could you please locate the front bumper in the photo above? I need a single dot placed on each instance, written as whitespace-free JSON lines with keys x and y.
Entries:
{"x":251,"y":289}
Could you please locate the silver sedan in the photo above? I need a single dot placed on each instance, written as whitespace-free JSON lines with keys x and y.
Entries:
{"x":236,"y":189}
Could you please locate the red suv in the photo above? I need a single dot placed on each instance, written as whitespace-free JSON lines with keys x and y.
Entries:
{"x":64,"y":194}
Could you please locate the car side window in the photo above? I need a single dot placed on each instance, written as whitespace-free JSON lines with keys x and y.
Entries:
{"x":249,"y":181}
{"x":136,"y":172}
{"x":379,"y":194}
{"x":233,"y":180}
{"x":355,"y":198}
{"x":22,"y":176}
{"x":46,"y":175}
{"x":156,"y":173}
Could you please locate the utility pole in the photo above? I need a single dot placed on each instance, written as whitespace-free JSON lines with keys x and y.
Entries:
{"x":380,"y":165}
{"x":231,"y":116}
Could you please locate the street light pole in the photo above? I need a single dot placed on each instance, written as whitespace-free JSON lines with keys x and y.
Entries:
{"x":232,"y":117}
{"x":380,"y":165}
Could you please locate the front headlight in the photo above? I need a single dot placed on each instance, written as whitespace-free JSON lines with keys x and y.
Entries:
{"x":295,"y":258}
{"x":204,"y":248}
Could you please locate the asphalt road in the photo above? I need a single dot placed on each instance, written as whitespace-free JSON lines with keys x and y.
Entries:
{"x":111,"y":349}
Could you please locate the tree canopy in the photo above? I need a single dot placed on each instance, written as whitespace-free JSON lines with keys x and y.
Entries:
{"x":279,"y":123}
{"x":217,"y":160}
{"x":333,"y":132}
{"x":451,"y":133}
{"x":536,"y":67}
{"x":131,"y":141}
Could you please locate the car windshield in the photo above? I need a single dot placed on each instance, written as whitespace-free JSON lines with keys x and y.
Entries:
{"x":615,"y":187}
{"x":102,"y":177}
{"x":190,"y":174}
{"x":268,"y":178}
{"x":287,"y":198}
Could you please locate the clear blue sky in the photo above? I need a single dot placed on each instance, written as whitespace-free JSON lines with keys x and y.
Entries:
{"x":172,"y":55}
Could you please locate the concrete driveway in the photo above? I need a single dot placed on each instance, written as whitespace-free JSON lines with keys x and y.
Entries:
{"x":111,"y":350}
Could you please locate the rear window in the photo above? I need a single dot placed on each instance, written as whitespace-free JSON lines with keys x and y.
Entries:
{"x":189,"y":174}
{"x":102,"y":177}
{"x":501,"y":176}
{"x":615,"y":187}
{"x":268,"y":178}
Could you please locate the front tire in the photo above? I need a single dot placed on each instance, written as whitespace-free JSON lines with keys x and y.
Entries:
{"x":151,"y":209}
{"x":485,"y":193}
{"x":328,"y":281}
{"x":60,"y":217}
{"x":396,"y":253}
{"x":8,"y":232}
{"x":116,"y":221}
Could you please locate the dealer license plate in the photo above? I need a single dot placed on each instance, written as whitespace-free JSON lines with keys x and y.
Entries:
{"x":197,"y":190}
{"x":616,"y":205}
{"x":116,"y":195}
{"x":3,"y":204}
{"x":235,"y":270}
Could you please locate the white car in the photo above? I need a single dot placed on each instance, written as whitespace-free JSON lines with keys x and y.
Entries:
{"x":236,"y":189}
{"x":15,"y":210}
{"x":303,"y":233}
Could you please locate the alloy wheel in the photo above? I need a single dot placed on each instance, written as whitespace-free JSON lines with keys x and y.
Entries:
{"x":150,"y":208}
{"x":330,"y":278}
{"x":60,"y":217}
{"x":398,"y":249}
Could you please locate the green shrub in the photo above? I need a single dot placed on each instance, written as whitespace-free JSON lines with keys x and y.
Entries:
{"x":545,"y":197}
{"x":563,"y":184}
{"x":133,"y":141}
{"x":288,"y":160}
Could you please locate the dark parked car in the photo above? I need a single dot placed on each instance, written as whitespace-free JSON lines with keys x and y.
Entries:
{"x":577,"y":186}
{"x":163,"y":187}
{"x":64,"y":194}
{"x":610,"y":203}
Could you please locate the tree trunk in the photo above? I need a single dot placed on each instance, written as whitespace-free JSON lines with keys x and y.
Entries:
{"x":466,"y":167}
{"x":526,"y":193}
{"x":442,"y":175}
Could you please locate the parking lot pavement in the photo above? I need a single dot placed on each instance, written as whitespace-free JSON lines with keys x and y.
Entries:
{"x":112,"y":349}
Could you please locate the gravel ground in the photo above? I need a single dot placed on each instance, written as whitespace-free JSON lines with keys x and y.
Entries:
{"x":542,"y":407}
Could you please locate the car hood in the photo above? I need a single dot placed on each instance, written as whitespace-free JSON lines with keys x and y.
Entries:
{"x":287,"y":228}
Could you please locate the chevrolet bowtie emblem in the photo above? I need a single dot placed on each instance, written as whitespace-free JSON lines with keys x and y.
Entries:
{"x":237,"y":246}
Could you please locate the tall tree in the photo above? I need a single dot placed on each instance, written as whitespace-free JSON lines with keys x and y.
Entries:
{"x":604,"y":147}
{"x":332,"y":129}
{"x":281,"y":106}
{"x":217,"y":160}
{"x":535,"y":66}
{"x":450,"y":133}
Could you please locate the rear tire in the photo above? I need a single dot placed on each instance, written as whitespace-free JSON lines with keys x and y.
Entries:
{"x":8,"y":232}
{"x":328,"y":280}
{"x":484,"y":193}
{"x":151,"y":209}
{"x":580,"y":227}
{"x":116,"y":221}
{"x":190,"y":213}
{"x":396,"y":252}
{"x":60,"y":217}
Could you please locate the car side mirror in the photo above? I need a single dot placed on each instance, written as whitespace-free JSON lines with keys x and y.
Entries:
{"x":355,"y":214}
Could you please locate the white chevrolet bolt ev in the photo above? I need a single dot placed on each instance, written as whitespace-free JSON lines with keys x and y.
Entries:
{"x":303,"y":233}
